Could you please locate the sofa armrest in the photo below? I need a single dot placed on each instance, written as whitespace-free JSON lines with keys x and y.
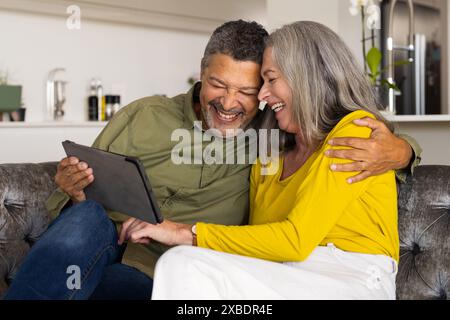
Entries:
{"x":24,"y":188}
{"x":424,"y":229}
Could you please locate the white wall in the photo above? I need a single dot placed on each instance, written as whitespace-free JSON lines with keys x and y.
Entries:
{"x":139,"y":61}
{"x":332,"y":13}
{"x":433,"y":137}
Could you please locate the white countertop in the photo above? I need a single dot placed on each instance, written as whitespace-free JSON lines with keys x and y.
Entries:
{"x":55,"y":124}
{"x":101,"y":124}
{"x":421,"y":118}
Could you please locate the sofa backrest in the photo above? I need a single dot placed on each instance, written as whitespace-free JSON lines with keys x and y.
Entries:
{"x":424,"y":225}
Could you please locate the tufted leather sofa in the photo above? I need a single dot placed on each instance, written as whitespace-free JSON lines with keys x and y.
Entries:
{"x":424,"y":225}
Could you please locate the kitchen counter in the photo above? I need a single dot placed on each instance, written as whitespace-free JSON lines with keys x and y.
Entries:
{"x":420,"y":118}
{"x":55,"y":124}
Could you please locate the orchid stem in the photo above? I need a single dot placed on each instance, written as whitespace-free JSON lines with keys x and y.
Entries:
{"x":363,"y":18}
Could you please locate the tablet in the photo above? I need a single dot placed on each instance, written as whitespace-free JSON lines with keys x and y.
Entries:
{"x":120,"y":182}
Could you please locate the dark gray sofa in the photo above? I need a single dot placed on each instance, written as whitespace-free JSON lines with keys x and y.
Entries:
{"x":424,"y":225}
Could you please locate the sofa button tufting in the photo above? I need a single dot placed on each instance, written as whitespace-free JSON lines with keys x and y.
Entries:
{"x":416,"y":249}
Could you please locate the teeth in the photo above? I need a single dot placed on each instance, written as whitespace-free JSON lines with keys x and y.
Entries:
{"x":278,"y":106}
{"x":228,"y":117}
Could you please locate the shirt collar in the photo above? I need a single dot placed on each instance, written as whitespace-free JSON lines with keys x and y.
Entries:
{"x":192,"y":97}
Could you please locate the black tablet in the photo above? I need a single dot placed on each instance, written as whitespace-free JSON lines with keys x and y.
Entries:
{"x":120,"y":182}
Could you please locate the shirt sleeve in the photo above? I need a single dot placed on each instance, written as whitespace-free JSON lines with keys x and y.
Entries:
{"x":402,"y":174}
{"x":310,"y":220}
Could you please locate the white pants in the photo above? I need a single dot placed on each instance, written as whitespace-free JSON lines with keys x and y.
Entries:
{"x":329,"y":273}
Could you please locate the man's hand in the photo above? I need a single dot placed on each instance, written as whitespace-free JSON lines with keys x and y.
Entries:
{"x":72,"y":176}
{"x":382,"y":152}
{"x":167,"y":232}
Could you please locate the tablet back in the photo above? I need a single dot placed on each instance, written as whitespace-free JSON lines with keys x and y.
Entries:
{"x":120,"y":182}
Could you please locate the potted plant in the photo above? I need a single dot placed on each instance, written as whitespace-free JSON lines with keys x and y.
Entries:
{"x":370,"y":17}
{"x":10,"y":95}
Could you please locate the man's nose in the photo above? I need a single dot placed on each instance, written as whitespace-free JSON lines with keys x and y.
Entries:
{"x":230,"y":100}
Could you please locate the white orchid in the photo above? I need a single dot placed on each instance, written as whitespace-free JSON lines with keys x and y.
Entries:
{"x":368,"y":7}
{"x":373,"y":17}
{"x":356,"y":5}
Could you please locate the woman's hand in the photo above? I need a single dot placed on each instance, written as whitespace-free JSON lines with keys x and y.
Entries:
{"x":167,"y":232}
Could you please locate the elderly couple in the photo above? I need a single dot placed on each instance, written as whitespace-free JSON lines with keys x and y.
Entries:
{"x":324,"y":226}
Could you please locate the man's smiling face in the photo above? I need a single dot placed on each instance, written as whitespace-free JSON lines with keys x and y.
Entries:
{"x":229,"y":93}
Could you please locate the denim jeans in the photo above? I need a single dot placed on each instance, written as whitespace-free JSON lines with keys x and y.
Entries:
{"x":78,"y":257}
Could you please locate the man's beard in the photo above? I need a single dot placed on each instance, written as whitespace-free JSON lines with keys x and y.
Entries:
{"x":208,"y":117}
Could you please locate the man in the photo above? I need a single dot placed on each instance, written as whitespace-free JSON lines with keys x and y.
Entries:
{"x":83,"y":236}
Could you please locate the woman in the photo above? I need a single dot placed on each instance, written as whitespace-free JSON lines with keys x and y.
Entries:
{"x":312,"y":235}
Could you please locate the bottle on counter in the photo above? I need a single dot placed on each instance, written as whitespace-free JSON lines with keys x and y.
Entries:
{"x":93,"y":102}
{"x":101,"y":102}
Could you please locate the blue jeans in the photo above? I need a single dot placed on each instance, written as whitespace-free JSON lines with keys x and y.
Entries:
{"x":78,"y":258}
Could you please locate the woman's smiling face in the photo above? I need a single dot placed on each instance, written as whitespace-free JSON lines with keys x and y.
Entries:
{"x":277,"y":93}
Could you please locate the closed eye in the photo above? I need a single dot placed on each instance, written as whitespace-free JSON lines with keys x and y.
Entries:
{"x":249,"y":94}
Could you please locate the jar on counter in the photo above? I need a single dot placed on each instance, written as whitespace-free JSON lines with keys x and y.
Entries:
{"x":109,"y":107}
{"x":116,"y":104}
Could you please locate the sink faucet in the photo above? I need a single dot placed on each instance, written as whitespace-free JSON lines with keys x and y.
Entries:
{"x":391,"y":47}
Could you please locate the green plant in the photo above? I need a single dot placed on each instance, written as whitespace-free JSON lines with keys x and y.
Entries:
{"x":373,"y":60}
{"x":370,"y":16}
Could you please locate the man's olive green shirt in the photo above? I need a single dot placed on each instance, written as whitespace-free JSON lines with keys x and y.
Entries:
{"x":186,"y":193}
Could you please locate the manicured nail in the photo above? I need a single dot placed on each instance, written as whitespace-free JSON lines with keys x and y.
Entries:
{"x":333,"y":167}
{"x":350,"y":180}
{"x":327,"y":153}
{"x":331,"y":142}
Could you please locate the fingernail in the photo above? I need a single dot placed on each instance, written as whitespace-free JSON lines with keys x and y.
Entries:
{"x":331,"y":142}
{"x":350,"y":180}
{"x":327,"y":153}
{"x":333,"y":167}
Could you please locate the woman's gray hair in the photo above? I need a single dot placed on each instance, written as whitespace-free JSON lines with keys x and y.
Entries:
{"x":326,"y":82}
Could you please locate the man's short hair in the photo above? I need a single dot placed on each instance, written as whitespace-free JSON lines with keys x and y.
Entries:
{"x":241,"y":40}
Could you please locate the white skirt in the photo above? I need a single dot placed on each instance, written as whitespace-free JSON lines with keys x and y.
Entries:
{"x":186,"y":273}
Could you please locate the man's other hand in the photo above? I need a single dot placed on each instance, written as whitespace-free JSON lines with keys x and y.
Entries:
{"x":73,"y":176}
{"x":382,"y":152}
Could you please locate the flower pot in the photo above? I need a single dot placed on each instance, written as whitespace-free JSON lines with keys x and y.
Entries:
{"x":10,"y":98}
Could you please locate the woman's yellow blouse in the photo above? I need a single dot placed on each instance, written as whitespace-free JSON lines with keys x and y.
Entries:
{"x":313,"y":207}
